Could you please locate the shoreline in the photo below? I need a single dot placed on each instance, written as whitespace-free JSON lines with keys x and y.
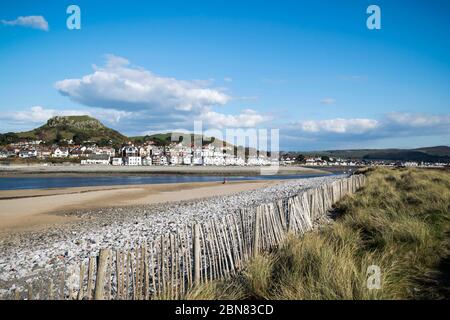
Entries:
{"x":78,"y":170}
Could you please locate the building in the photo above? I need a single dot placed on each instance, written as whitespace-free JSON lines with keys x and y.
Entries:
{"x":198,"y":161}
{"x":105,"y":150}
{"x":27,"y":154}
{"x":44,"y":153}
{"x":77,"y":152}
{"x":174,"y":160}
{"x":99,"y":159}
{"x":117,"y":161}
{"x":132,"y":161}
{"x":147,"y":161}
{"x":60,"y":153}
{"x":129,"y":151}
{"x":187,"y":160}
{"x":160,"y":160}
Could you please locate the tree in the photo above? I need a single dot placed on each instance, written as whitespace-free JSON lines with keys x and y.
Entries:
{"x":9,"y":137}
{"x":80,"y":137}
{"x":300,"y":158}
{"x":58,"y":138}
{"x":104,"y":142}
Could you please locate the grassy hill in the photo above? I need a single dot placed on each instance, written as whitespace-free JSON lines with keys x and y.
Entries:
{"x":441,"y":151}
{"x":77,"y":128}
{"x":166,"y":139}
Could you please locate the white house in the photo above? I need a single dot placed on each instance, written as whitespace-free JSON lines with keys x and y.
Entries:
{"x":44,"y":153}
{"x":105,"y":150}
{"x":187,"y":160}
{"x":60,"y":153}
{"x":197,"y":160}
{"x":147,"y":161}
{"x":133,"y":161}
{"x":117,"y":162}
{"x":163,"y":161}
{"x":130,"y":151}
{"x":27,"y":153}
{"x":174,"y":160}
{"x":100,"y":159}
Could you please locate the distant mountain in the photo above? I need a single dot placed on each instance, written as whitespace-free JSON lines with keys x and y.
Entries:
{"x":428,"y":154}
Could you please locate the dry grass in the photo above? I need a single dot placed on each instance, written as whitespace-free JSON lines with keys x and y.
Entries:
{"x":399,"y":221}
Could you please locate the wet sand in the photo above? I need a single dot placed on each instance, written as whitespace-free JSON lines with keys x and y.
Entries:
{"x":24,"y":210}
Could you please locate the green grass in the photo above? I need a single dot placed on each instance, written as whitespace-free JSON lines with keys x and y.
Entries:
{"x":399,"y":221}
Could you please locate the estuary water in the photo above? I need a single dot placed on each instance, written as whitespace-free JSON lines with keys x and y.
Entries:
{"x":17,"y":183}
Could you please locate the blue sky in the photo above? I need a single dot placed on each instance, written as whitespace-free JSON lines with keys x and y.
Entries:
{"x":313,"y":70}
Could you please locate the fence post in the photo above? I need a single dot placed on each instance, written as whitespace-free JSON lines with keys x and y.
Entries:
{"x":62,"y":284}
{"x":90,"y":276}
{"x":81,"y":289}
{"x":50,"y":290}
{"x":197,"y":252}
{"x":30,"y":292}
{"x":256,"y":231}
{"x":101,"y":270}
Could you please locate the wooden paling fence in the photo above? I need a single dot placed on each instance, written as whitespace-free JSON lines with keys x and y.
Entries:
{"x":167,"y":267}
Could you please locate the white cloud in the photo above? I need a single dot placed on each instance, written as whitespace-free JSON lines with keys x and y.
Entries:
{"x":36,"y":22}
{"x":364,"y":132}
{"x":119,"y":86}
{"x":38,"y":114}
{"x":156,"y":103}
{"x":228,"y":79}
{"x":339,"y":125}
{"x":418,"y":120}
{"x":391,"y":124}
{"x":328,"y":101}
{"x":246,"y":119}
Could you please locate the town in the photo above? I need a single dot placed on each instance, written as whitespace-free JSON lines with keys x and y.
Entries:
{"x":326,"y":161}
{"x":130,"y":154}
{"x":176,"y":153}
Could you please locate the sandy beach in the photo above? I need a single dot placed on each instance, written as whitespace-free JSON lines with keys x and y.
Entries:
{"x":25,"y":210}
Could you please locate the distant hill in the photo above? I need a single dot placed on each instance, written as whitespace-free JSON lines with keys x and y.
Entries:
{"x":166,"y":138}
{"x":429,"y":154}
{"x":77,"y":128}
{"x":85,"y":128}
{"x":442,"y":151}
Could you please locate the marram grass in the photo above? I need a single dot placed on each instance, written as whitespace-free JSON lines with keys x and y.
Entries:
{"x":399,"y":221}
